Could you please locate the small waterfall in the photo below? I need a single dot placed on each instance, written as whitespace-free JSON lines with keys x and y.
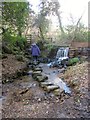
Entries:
{"x":62,"y":53}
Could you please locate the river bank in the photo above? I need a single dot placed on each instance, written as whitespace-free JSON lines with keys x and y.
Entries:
{"x":12,"y":68}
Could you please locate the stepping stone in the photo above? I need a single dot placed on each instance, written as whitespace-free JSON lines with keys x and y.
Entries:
{"x":38,"y":69}
{"x":58,"y":92}
{"x":51,"y":88}
{"x":47,"y":83}
{"x":36,"y":73}
{"x":29,"y":72}
{"x":41,"y":78}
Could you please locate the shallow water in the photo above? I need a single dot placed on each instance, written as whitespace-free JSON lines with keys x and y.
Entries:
{"x":53,"y":77}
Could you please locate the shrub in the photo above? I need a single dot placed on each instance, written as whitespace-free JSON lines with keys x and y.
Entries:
{"x":73,"y":61}
{"x":14,"y":43}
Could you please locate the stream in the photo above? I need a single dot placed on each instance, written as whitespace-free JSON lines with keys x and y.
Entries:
{"x":53,"y":77}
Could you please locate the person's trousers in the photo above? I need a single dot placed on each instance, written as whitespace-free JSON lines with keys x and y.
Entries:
{"x":35,"y":58}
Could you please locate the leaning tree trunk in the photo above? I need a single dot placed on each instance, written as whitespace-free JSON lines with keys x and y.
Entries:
{"x":41,"y":33}
{"x":60,"y":23}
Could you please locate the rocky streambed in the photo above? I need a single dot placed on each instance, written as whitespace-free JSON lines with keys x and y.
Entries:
{"x":41,"y":94}
{"x":48,"y":79}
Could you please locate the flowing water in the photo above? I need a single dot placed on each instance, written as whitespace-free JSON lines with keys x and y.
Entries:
{"x":53,"y":77}
{"x":62,"y":54}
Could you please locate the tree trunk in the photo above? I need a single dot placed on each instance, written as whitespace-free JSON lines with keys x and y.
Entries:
{"x":41,"y":33}
{"x":60,"y":23}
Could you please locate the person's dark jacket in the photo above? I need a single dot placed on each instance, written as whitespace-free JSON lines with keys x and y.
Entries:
{"x":35,"y":50}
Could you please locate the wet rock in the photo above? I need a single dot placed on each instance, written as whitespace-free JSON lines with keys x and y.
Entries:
{"x":30,"y":72}
{"x":41,"y":78}
{"x":35,"y":63}
{"x":47,"y":83}
{"x":58,"y":92}
{"x":50,"y":88}
{"x":38,"y":69}
{"x":36,"y":73}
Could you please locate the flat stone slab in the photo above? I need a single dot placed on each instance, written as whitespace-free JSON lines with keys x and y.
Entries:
{"x":36,"y":73}
{"x":46,"y":83}
{"x":38,"y":69}
{"x":51,"y":88}
{"x":41,"y":78}
{"x":58,"y":92}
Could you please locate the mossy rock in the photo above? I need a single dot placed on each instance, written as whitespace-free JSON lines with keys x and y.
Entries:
{"x":73,"y":61}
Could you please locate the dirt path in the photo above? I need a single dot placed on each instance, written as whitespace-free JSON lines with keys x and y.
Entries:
{"x":36,"y":103}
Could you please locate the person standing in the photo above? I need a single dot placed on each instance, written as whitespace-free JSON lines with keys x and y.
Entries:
{"x":35,"y":51}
